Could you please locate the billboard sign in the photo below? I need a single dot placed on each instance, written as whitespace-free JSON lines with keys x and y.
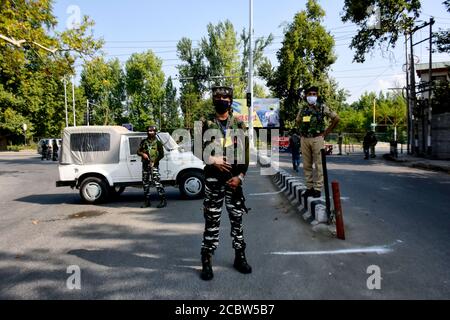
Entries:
{"x":266,"y":112}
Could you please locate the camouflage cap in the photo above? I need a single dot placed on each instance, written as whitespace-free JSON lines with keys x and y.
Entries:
{"x":222,"y":91}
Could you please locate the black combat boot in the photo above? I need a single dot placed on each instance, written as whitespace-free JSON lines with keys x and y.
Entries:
{"x":146,"y":204}
{"x":207,"y":271}
{"x":162,"y":203}
{"x":308,"y":193}
{"x":240,"y":263}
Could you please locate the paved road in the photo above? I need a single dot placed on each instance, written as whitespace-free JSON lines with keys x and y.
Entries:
{"x":125,"y":252}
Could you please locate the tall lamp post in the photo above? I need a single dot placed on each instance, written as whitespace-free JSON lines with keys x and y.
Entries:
{"x":250,"y":76}
{"x":374,"y":124}
{"x":65,"y":100}
{"x":73,"y":101}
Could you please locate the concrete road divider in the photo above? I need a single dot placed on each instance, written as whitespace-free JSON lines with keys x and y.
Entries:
{"x":313,"y":210}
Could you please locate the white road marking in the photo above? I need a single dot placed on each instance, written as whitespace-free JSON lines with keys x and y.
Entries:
{"x":264,"y":194}
{"x":378,"y":250}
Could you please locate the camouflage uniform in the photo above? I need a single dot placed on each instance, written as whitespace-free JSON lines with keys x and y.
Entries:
{"x":216,"y":189}
{"x":150,"y":174}
{"x":312,"y":125}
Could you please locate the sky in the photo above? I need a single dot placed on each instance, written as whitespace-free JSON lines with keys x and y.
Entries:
{"x":139,"y":25}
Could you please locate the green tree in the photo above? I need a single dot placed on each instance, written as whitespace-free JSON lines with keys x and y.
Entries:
{"x":30,"y":75}
{"x":304,"y":59}
{"x":145,"y":88}
{"x":104,"y":86}
{"x":215,"y":62}
{"x":170,"y":114}
{"x":193,"y":76}
{"x":381,"y":22}
{"x":221,"y":51}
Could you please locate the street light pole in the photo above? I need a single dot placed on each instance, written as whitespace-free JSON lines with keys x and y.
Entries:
{"x":87,"y":112}
{"x":250,"y":76}
{"x":374,"y":125}
{"x":408,"y":100}
{"x":73,"y":101}
{"x":65,"y":100}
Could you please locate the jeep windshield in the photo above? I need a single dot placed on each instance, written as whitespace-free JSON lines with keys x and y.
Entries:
{"x":167,"y":141}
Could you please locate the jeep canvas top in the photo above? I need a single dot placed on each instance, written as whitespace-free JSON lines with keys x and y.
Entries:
{"x":102,"y":160}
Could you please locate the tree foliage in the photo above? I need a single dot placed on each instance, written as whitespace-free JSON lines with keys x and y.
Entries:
{"x":390,"y":112}
{"x":31,"y":90}
{"x":170,"y":112}
{"x":145,"y":89}
{"x":304,"y":60}
{"x":216,"y":61}
{"x":381,"y":23}
{"x":104,"y":86}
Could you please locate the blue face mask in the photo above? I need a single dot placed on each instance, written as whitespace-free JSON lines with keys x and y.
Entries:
{"x":311,"y":99}
{"x":221,"y":106}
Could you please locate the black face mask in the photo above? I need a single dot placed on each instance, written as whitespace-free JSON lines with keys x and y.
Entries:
{"x":221,"y":106}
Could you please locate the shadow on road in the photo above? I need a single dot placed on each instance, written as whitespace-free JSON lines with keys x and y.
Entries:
{"x":127,"y":262}
{"x":74,"y":198}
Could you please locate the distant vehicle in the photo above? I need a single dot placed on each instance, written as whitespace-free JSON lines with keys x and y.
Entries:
{"x":101,"y":161}
{"x":48,"y":141}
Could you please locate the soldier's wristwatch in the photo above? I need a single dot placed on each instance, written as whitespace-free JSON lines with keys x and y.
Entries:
{"x":241,"y":178}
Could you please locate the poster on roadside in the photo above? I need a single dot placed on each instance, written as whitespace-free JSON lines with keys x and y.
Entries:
{"x":282,"y":143}
{"x":265,"y":112}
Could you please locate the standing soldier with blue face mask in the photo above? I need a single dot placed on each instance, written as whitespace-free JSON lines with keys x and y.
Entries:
{"x":312,"y":128}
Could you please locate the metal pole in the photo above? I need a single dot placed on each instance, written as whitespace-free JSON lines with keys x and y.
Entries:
{"x":413,"y":90}
{"x":408,"y":101}
{"x":374,"y":114}
{"x":250,"y":76}
{"x":65,"y":101}
{"x":73,"y":101}
{"x":325,"y":182}
{"x":87,"y":112}
{"x":430,"y":85}
{"x":340,"y":232}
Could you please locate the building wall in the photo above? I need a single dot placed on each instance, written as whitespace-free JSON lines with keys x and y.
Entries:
{"x":440,"y":136}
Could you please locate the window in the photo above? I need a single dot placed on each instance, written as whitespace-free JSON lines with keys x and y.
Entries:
{"x":134,"y":143}
{"x":89,"y":142}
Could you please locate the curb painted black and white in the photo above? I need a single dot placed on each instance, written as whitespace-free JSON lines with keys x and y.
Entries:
{"x":313,"y":210}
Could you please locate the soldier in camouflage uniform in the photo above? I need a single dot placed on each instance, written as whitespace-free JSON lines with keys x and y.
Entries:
{"x":151,"y":151}
{"x":223,"y":180}
{"x":312,"y":127}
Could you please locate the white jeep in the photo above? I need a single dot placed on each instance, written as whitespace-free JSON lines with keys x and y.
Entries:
{"x":101,"y":161}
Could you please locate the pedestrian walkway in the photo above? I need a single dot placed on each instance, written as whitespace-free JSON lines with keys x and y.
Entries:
{"x":421,"y":163}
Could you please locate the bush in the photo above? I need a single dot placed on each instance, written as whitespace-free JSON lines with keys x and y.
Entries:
{"x":17,"y":148}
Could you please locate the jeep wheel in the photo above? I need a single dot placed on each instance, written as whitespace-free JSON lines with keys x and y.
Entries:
{"x":94,"y":190}
{"x":192,"y":184}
